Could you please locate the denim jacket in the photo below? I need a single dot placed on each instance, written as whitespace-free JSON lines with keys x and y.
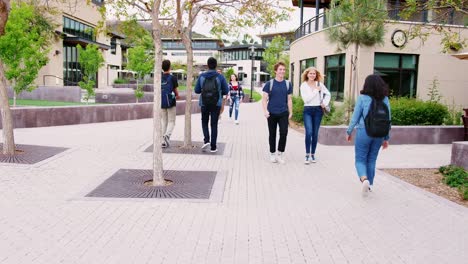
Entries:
{"x":360,"y":112}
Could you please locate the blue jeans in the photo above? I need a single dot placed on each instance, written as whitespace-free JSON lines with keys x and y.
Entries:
{"x":235,"y":101}
{"x":366,"y":151}
{"x":312,"y":119}
{"x":208,"y":112}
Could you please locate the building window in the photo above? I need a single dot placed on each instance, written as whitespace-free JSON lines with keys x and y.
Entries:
{"x":399,"y":71}
{"x":179,"y":54}
{"x":78,"y":29}
{"x":113,"y":45}
{"x":98,"y":2}
{"x":306,"y":64}
{"x":335,"y":75}
{"x":71,"y":67}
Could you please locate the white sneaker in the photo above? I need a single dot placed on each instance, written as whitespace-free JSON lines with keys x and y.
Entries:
{"x":279,"y":157}
{"x":307,"y":161}
{"x":365,"y":187}
{"x":273,"y":157}
{"x":205,"y":146}
{"x":236,"y":122}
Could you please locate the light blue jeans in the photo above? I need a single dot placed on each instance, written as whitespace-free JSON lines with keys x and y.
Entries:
{"x":235,"y":101}
{"x":366,"y":151}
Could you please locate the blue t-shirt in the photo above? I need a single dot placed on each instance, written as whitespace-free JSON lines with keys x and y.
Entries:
{"x":278,"y":97}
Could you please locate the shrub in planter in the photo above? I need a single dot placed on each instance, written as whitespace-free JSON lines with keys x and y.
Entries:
{"x":456,"y":177}
{"x":298,"y":109}
{"x":407,"y":111}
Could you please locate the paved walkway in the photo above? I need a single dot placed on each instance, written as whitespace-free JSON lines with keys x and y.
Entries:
{"x":270,"y":213}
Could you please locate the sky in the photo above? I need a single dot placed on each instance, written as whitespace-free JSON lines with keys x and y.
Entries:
{"x":290,"y":25}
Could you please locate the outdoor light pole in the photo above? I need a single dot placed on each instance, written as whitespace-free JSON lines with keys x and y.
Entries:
{"x":252,"y":53}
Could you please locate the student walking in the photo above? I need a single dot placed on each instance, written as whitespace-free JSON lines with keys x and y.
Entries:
{"x":277,"y":107}
{"x":235,"y":97}
{"x":371,"y":118}
{"x":212,"y":87}
{"x":169,"y":94}
{"x":316,"y":97}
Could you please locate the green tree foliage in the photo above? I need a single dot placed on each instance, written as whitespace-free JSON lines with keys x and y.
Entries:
{"x":228,"y":73}
{"x":90,"y":59}
{"x":141,"y":61}
{"x":358,"y":23}
{"x":274,"y":53}
{"x":24,"y":47}
{"x":442,"y":12}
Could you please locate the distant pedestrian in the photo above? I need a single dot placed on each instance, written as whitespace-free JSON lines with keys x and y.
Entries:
{"x":371,"y":118}
{"x":169,"y":94}
{"x":277,"y":107}
{"x":235,"y":97}
{"x":211,"y":86}
{"x":316,"y":97}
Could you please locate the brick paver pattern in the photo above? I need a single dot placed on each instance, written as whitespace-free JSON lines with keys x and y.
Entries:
{"x":270,"y":213}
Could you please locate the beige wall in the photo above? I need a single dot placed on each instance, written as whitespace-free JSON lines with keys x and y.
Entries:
{"x":80,"y":11}
{"x":451,"y":72}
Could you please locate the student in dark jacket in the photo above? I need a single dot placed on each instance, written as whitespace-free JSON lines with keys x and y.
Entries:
{"x":208,"y":109}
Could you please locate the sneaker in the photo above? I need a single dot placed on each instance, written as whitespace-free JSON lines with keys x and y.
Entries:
{"x":214,"y":150}
{"x":279,"y":157}
{"x":205,"y":146}
{"x":236,"y":122}
{"x":164,"y":145}
{"x":166,"y":140}
{"x":307,"y":159}
{"x":312,"y":159}
{"x":365,"y":187}
{"x":273,"y":157}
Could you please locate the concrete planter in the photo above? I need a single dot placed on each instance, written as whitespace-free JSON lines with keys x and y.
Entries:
{"x":74,"y":115}
{"x":51,"y":93}
{"x":460,"y":154}
{"x":335,"y":135}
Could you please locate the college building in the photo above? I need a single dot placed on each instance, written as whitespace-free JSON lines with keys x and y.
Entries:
{"x":408,"y":66}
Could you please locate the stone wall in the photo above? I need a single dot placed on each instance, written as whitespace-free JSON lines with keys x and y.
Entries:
{"x":51,"y":93}
{"x":460,"y":154}
{"x":73,"y":115}
{"x":335,"y":135}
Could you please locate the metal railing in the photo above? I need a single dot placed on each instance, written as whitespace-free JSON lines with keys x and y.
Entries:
{"x":312,"y":25}
{"x":320,"y":22}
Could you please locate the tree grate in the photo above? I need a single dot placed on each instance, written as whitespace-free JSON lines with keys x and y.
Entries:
{"x":176,"y":147}
{"x":129,"y":183}
{"x":30,"y":154}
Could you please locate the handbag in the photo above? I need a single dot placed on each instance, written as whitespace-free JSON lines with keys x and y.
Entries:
{"x":326,"y":109}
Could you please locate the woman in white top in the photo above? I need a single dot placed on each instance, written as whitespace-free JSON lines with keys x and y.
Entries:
{"x":315,"y":96}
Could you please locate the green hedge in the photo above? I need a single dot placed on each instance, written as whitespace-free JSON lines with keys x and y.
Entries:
{"x":406,"y":111}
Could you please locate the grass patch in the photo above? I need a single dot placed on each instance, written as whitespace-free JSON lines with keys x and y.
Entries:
{"x":256,"y":96}
{"x":25,"y":102}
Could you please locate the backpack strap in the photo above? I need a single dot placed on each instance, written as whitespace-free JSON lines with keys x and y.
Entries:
{"x":271,"y":85}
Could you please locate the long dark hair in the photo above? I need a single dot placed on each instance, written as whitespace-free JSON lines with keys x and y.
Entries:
{"x":375,"y":86}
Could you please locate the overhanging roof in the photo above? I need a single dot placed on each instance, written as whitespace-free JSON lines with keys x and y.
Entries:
{"x":85,"y":42}
{"x":311,"y":3}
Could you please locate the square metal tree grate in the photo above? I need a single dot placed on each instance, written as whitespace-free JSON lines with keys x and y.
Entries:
{"x":30,"y":154}
{"x":130,"y":183}
{"x":176,"y":148}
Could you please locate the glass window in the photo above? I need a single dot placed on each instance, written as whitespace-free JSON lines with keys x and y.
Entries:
{"x":386,"y":60}
{"x":113,"y":45}
{"x":335,"y":75}
{"x":401,"y":76}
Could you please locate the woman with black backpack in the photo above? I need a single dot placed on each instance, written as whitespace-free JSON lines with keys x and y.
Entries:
{"x":371,"y":118}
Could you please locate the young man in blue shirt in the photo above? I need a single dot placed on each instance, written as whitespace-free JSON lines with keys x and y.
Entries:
{"x":277,"y":107}
{"x":210,"y":109}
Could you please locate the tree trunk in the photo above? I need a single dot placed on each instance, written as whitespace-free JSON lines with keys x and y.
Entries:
{"x":7,"y":118}
{"x":158,"y":178}
{"x":14,"y":98}
{"x":188,"y":100}
{"x":355,"y":72}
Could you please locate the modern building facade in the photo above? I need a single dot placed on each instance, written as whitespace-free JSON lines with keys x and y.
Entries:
{"x":245,"y":60}
{"x":408,"y":66}
{"x":77,"y":26}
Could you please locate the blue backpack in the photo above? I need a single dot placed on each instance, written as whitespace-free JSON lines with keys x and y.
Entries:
{"x":167,"y":96}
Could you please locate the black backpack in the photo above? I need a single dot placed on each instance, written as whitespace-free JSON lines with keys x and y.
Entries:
{"x":167,"y":97}
{"x":377,"y":121}
{"x":210,"y":91}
